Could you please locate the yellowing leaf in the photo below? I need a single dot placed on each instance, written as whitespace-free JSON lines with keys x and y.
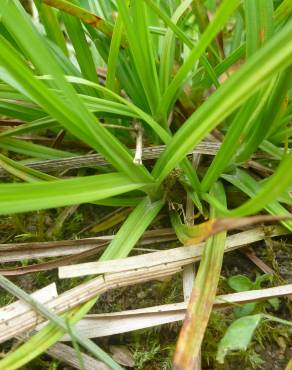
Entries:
{"x":189,"y":235}
{"x":111,"y":220}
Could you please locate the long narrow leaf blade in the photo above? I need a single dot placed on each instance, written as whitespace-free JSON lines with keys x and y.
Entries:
{"x":30,"y":197}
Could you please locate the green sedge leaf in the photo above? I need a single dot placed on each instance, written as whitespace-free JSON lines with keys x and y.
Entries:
{"x":16,"y":198}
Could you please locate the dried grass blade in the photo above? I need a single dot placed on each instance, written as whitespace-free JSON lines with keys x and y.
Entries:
{"x":86,"y":291}
{"x":18,"y":251}
{"x":183,"y":254}
{"x":91,"y":160}
{"x":100,"y":325}
{"x":42,"y":295}
{"x":67,"y":354}
{"x":50,"y":265}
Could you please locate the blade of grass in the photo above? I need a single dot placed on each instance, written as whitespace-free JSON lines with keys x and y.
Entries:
{"x":82,"y":51}
{"x":113,"y":57}
{"x":24,"y":173}
{"x":119,"y":202}
{"x":238,"y":32}
{"x":50,"y":21}
{"x":201,"y":14}
{"x":126,"y":74}
{"x":278,"y":100}
{"x":33,"y":150}
{"x":136,"y":28}
{"x":131,"y":230}
{"x":266,"y":12}
{"x":272,"y":149}
{"x":246,"y":117}
{"x":229,"y":145}
{"x":28,"y":197}
{"x":283,"y":11}
{"x":262,"y":126}
{"x":202,"y":297}
{"x":268,"y":61}
{"x":249,"y":185}
{"x":168,"y":42}
{"x":251,"y":11}
{"x":222,"y":15}
{"x":37,"y":125}
{"x":259,"y":24}
{"x":274,"y":187}
{"x":202,"y":18}
{"x":224,"y":65}
{"x":20,"y":111}
{"x":166,"y":60}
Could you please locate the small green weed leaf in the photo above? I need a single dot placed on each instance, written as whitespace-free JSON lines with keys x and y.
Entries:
{"x":238,"y":335}
{"x":240,"y":283}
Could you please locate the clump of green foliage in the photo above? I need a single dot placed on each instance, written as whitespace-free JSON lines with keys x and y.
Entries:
{"x":111,"y":76}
